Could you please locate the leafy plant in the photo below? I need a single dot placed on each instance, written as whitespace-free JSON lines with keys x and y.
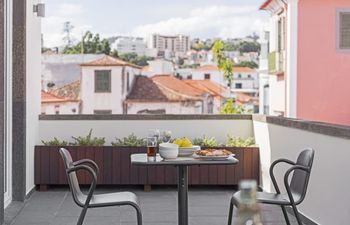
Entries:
{"x":88,"y":140}
{"x":206,"y":141}
{"x":239,"y":142}
{"x":54,"y":142}
{"x":131,"y":141}
{"x":230,"y":108}
{"x":224,"y":64}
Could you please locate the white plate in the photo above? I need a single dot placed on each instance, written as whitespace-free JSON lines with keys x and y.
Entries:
{"x":213,"y":157}
{"x":186,"y":152}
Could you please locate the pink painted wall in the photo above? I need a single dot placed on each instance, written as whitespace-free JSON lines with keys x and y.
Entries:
{"x":323,"y":73}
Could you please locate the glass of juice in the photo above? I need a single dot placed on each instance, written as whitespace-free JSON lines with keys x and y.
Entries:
{"x":151,"y":148}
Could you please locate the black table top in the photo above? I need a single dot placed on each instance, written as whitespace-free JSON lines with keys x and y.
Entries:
{"x":141,"y":159}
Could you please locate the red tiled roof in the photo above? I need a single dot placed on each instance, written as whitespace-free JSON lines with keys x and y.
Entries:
{"x":235,"y":69}
{"x":176,"y":85}
{"x":68,"y":91}
{"x":109,"y":61}
{"x":242,"y":98}
{"x":167,"y":88}
{"x":51,"y":98}
{"x":207,"y":86}
{"x":265,"y":4}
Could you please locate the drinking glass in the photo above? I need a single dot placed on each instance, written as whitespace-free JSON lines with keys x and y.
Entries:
{"x":165,"y":136}
{"x":151,"y":148}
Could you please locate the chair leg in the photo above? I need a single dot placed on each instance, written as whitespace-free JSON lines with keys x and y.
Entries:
{"x":297,"y":215}
{"x":230,"y":213}
{"x":82,"y":216}
{"x":139,"y":215}
{"x":285,"y":214}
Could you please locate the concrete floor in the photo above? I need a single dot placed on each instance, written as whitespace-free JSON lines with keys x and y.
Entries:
{"x":207,"y":206}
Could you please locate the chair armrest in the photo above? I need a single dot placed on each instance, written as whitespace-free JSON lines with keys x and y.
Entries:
{"x":286,"y":179}
{"x":272,"y":175}
{"x":88,"y":162}
{"x":94,"y":179}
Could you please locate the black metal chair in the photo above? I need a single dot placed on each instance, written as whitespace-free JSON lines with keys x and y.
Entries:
{"x":92,"y":200}
{"x":296,"y":188}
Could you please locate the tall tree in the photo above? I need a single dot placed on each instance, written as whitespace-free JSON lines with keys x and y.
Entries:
{"x":223,"y":63}
{"x":90,"y":44}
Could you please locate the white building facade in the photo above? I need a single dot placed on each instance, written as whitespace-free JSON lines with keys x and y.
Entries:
{"x":135,"y":45}
{"x":104,"y":85}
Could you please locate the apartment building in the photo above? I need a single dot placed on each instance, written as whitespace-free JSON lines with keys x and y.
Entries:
{"x":173,"y":44}
{"x":308,"y":64}
{"x":135,"y":45}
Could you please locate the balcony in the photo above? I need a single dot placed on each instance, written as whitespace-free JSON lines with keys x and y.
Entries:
{"x":276,"y":137}
{"x":276,"y":62}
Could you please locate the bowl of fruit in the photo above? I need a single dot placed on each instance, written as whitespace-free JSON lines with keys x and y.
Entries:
{"x":186,"y":148}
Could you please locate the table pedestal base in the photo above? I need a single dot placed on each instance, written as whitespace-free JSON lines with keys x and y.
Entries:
{"x":182,"y":176}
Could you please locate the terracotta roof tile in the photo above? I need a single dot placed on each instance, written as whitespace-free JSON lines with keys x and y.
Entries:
{"x":68,"y":91}
{"x":109,"y":61}
{"x":207,"y":86}
{"x":51,"y":98}
{"x":176,"y":85}
{"x":144,"y":89}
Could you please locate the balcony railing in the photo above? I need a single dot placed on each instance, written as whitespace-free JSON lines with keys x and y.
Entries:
{"x":276,"y":137}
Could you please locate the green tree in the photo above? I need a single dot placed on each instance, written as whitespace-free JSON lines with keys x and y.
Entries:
{"x":249,"y":47}
{"x":249,"y":64}
{"x":230,"y":108}
{"x":89,"y":44}
{"x":134,"y":58}
{"x":223,"y":63}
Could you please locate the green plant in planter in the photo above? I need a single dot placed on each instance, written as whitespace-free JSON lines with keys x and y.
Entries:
{"x":88,"y":140}
{"x":54,"y":142}
{"x":206,"y":141}
{"x":130,"y":141}
{"x":239,"y":142}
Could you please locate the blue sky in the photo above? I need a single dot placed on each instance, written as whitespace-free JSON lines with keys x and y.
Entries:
{"x":197,"y":18}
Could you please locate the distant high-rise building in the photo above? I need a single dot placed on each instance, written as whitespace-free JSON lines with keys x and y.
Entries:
{"x":174,"y":44}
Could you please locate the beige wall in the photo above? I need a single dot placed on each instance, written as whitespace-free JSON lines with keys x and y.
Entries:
{"x":119,"y":128}
{"x":33,"y":89}
{"x":328,"y":194}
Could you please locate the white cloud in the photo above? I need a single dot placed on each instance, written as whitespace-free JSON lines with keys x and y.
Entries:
{"x":53,"y":24}
{"x":211,"y":21}
{"x":69,"y":9}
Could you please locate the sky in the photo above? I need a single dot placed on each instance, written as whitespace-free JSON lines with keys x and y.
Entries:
{"x":197,"y":18}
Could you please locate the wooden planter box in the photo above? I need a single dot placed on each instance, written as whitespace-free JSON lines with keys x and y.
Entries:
{"x":115,"y":168}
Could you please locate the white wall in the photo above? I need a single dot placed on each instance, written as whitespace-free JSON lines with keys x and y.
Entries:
{"x":215,"y":76}
{"x":119,"y":128}
{"x":277,"y":95}
{"x":328,"y":194}
{"x":105,"y":101}
{"x":64,"y":108}
{"x":33,"y":83}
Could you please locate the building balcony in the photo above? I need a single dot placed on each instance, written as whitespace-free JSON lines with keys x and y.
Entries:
{"x":276,"y":138}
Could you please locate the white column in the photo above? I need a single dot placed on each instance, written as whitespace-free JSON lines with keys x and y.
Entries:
{"x":292,"y":55}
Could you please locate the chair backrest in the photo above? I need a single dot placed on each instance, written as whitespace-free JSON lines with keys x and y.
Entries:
{"x":300,"y":178}
{"x":72,"y":177}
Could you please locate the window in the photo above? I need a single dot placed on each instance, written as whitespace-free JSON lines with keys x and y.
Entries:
{"x":102,"y":81}
{"x":189,"y":77}
{"x":239,"y":75}
{"x":249,"y":76}
{"x":207,"y":76}
{"x":343,"y":30}
{"x":238,"y":85}
{"x":102,"y":112}
{"x":127,"y":81}
{"x":57,"y":109}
